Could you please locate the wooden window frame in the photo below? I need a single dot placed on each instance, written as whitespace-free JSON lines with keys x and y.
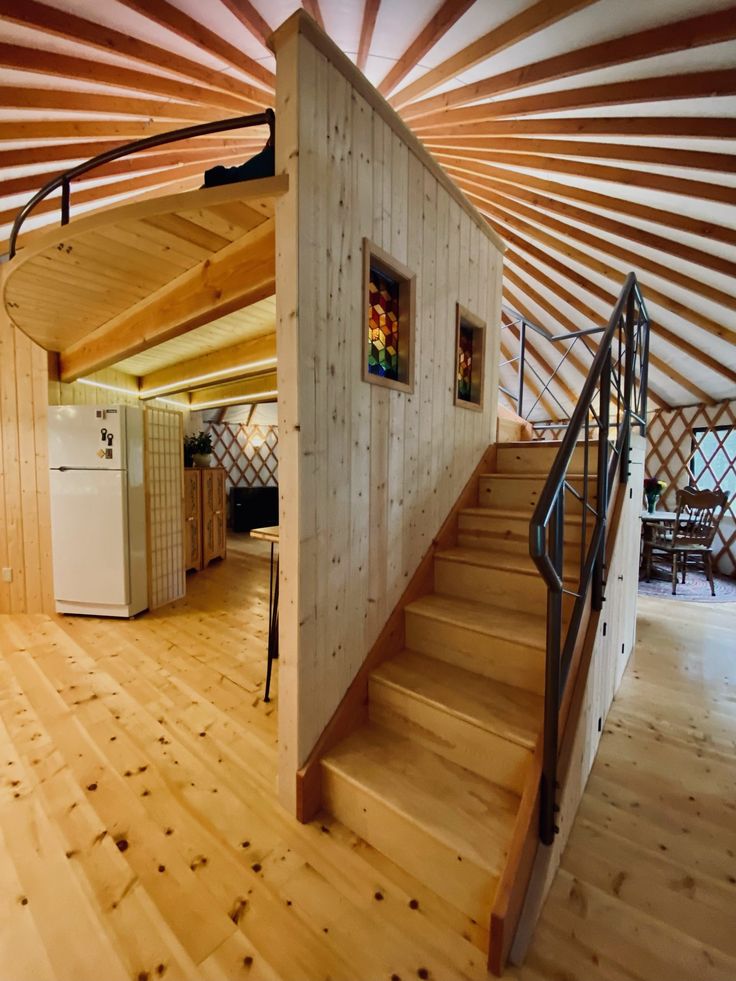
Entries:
{"x":465,"y":318}
{"x":373,"y":256}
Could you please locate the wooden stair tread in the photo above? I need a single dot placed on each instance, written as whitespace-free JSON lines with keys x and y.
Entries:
{"x":518,"y":513}
{"x":528,"y":475}
{"x":510,"y":712}
{"x":516,"y":626}
{"x":470,"y":815}
{"x":503,"y":561}
{"x":526,"y":444}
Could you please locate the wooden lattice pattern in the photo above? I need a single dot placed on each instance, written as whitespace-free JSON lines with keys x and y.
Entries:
{"x":249,"y":454}
{"x":671,"y":445}
{"x":165,"y":506}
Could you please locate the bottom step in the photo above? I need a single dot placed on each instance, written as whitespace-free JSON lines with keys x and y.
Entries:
{"x":447,"y":826}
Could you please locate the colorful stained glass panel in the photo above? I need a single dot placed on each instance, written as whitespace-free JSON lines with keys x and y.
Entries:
{"x":383,"y":325}
{"x":465,"y":363}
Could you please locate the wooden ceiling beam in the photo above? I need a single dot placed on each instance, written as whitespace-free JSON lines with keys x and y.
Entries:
{"x":549,"y":259}
{"x":693,"y":284}
{"x":449,"y":13}
{"x":225,"y":364}
{"x":166,"y":15}
{"x":246,"y":390}
{"x":674,"y":127}
{"x":659,"y":88}
{"x":682,"y":35}
{"x":368,"y":25}
{"x":63,"y":100}
{"x":238,"y":275}
{"x":596,"y":320}
{"x":135,"y":163}
{"x":312,"y":7}
{"x":529,"y":21}
{"x":473,"y":173}
{"x":650,"y":180}
{"x":63,"y":24}
{"x":626,"y":230}
{"x":249,"y":18}
{"x":495,"y":148}
{"x":600,"y":266}
{"x":25,"y":59}
{"x":103,"y":192}
{"x":62,"y":130}
{"x":71,"y":151}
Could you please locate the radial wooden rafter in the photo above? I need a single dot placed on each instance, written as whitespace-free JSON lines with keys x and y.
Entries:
{"x":595,"y":139}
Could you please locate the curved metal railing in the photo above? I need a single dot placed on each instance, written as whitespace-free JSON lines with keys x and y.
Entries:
{"x":63,"y":181}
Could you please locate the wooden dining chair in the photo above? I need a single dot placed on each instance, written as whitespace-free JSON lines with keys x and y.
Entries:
{"x":691,"y":536}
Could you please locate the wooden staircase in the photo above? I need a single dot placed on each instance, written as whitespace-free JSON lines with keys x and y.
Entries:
{"x":433,"y":779}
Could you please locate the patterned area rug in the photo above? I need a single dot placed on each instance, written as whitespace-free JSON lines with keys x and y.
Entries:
{"x":696,"y":588}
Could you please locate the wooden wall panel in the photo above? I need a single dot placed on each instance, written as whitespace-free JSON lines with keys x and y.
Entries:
{"x":367,"y":474}
{"x":669,"y":453}
{"x":25,"y":523}
{"x":164,"y":462}
{"x":80,"y":393}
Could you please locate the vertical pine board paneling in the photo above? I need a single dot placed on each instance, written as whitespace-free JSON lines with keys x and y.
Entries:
{"x":368,"y":474}
{"x":25,"y":543}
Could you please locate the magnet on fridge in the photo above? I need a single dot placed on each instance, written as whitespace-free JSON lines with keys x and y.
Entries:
{"x":109,"y":439}
{"x":103,"y":435}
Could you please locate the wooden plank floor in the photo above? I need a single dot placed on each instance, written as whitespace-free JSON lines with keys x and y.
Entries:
{"x":647,"y":885}
{"x":140,"y":835}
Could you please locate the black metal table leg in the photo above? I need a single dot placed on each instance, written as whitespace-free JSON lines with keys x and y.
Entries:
{"x":273,"y":621}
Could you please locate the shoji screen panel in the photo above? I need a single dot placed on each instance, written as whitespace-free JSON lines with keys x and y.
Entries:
{"x":164,"y":433}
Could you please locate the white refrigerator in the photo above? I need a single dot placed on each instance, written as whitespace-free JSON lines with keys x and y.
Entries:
{"x":98,"y":509}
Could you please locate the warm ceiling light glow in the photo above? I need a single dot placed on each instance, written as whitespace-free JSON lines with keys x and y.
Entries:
{"x":235,"y":400}
{"x":222,"y":373}
{"x":131,"y":393}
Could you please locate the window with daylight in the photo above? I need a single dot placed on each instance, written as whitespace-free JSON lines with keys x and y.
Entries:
{"x":713,"y":460}
{"x":470,"y":336}
{"x":388,"y":296}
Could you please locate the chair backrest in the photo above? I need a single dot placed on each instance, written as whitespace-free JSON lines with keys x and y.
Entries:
{"x":698,"y":515}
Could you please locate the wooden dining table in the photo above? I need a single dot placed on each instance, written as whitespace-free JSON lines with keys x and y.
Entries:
{"x":649,"y":520}
{"x":271,"y":535}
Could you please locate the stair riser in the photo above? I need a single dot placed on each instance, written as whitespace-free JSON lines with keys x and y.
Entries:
{"x":522,"y":493}
{"x":465,"y":885}
{"x":507,"y":534}
{"x":502,"y":660}
{"x":459,"y":741}
{"x":499,"y":587}
{"x":538,"y":458}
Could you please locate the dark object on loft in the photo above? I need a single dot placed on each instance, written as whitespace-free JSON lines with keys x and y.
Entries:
{"x":263,"y":164}
{"x":253,"y":507}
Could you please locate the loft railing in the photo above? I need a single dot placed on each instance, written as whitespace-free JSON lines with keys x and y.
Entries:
{"x":613,"y":399}
{"x":63,"y":181}
{"x":511,"y":321}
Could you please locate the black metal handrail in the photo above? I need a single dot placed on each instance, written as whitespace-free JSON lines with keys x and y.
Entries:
{"x":618,"y":378}
{"x":63,"y":181}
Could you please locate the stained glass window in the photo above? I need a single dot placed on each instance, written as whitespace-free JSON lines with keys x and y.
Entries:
{"x":469,"y":346}
{"x":383,"y":325}
{"x":465,"y":363}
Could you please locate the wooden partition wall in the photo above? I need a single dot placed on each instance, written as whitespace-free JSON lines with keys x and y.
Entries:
{"x":367,"y":474}
{"x":25,"y":526}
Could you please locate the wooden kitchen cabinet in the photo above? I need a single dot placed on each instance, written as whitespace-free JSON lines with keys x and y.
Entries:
{"x":205,"y":516}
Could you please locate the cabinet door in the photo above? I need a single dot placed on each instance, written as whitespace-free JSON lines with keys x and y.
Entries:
{"x":192,"y":520}
{"x":213,"y":514}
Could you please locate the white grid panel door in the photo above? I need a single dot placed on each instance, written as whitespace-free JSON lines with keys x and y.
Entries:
{"x":164,"y":434}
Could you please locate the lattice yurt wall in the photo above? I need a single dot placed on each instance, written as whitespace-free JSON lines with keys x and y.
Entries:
{"x":697,"y":445}
{"x":247,"y":446}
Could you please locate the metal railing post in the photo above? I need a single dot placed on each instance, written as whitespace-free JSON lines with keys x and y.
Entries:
{"x":65,"y":202}
{"x":548,"y":790}
{"x":602,"y":482}
{"x":628,"y":386}
{"x":522,"y":366}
